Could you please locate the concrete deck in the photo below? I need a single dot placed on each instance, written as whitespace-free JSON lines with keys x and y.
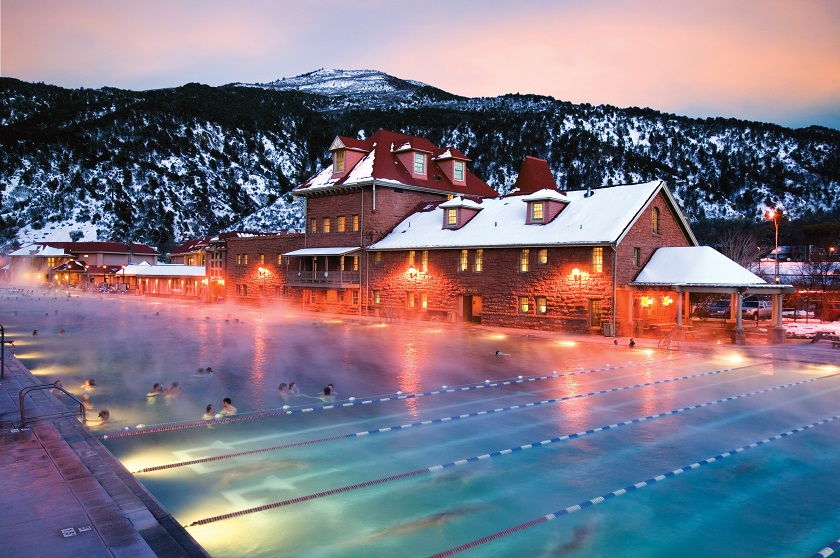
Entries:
{"x":62,"y":494}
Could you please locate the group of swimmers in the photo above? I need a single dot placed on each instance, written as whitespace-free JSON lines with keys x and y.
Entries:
{"x":227,"y":410}
{"x":88,"y":386}
{"x":327,"y":394}
{"x":157,"y":389}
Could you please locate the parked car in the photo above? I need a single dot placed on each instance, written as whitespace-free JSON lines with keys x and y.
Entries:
{"x":717,"y":309}
{"x":829,"y":311}
{"x":754,"y":308}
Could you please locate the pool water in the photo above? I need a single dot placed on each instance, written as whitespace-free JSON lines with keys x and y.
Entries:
{"x":344,"y":481}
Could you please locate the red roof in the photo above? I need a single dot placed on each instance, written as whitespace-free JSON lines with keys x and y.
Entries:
{"x":191,"y":246}
{"x":385,"y":146}
{"x":103,"y":247}
{"x":533,"y":177}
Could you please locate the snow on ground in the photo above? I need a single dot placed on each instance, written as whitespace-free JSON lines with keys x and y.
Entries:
{"x":802,"y":330}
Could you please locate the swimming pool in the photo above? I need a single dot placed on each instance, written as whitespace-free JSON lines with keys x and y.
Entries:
{"x":400,"y":465}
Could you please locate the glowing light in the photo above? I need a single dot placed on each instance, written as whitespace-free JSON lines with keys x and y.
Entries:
{"x":667,"y":300}
{"x":646,"y":301}
{"x":566,"y":343}
{"x":412,"y":272}
{"x":576,"y":274}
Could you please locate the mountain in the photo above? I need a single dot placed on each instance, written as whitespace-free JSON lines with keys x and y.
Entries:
{"x":164,"y":166}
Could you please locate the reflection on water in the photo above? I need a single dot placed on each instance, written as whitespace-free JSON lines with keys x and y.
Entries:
{"x":128,"y":344}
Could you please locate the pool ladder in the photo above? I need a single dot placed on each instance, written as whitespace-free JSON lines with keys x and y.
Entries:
{"x":28,"y":389}
{"x":674,"y":334}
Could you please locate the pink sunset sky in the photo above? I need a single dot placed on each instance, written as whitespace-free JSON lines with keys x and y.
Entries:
{"x":767,"y":60}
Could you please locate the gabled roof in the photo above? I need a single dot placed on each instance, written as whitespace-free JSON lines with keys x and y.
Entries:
{"x":695,"y":266}
{"x":602,"y":218}
{"x":533,"y":176}
{"x":104,"y":247}
{"x":40,"y":250}
{"x":382,"y":165}
{"x":191,"y":246}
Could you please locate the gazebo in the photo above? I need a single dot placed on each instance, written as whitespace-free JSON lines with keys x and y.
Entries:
{"x":702,"y":269}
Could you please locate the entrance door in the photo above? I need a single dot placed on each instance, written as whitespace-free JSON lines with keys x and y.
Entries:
{"x":472,"y":308}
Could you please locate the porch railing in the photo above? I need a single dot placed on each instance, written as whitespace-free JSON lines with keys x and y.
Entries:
{"x":323,"y":278}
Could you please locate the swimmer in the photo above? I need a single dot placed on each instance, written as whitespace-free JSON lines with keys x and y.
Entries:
{"x":86,"y":402}
{"x":157,"y":389}
{"x":632,"y":343}
{"x":61,"y":332}
{"x":615,"y":342}
{"x":104,"y":416}
{"x":208,"y":370}
{"x":293,"y":389}
{"x":332,"y":389}
{"x":34,"y":332}
{"x":88,"y":385}
{"x":500,"y":353}
{"x":327,"y":396}
{"x":281,"y":390}
{"x":173,"y":390}
{"x":209,"y":412}
{"x":227,"y":407}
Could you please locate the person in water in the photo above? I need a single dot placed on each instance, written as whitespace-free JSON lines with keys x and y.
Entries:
{"x":282,"y":391}
{"x":227,"y":407}
{"x":209,"y":412}
{"x":157,"y":389}
{"x":293,"y":389}
{"x":632,"y":343}
{"x":104,"y":416}
{"x":328,"y":395}
{"x":86,"y":402}
{"x":173,"y":390}
{"x":88,"y":385}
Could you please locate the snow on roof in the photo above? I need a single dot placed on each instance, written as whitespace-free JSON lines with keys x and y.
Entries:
{"x":40,"y":250}
{"x":546,"y":194}
{"x":694,"y":265}
{"x":165,"y":270}
{"x":461,"y":202}
{"x":599,"y":219}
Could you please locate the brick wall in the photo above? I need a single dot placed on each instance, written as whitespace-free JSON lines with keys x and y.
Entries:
{"x":258,"y":286}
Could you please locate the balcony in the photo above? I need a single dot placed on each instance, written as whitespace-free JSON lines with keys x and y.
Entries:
{"x":325,"y":279}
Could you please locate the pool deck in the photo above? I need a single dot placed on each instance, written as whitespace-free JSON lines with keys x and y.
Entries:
{"x":63,"y":494}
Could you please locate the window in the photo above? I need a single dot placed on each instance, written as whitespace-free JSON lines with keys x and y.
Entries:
{"x":341,"y":223}
{"x":451,"y":217}
{"x":340,"y":295}
{"x":419,"y":163}
{"x":542,"y":256}
{"x":241,"y":259}
{"x":279,"y":259}
{"x":355,"y":223}
{"x":326,"y":224}
{"x":524,"y":265}
{"x":377,"y":258}
{"x":355,"y":300}
{"x":341,"y":262}
{"x":338,"y":161}
{"x":411,"y":300}
{"x":424,"y":300}
{"x":537,"y":211}
{"x":312,"y":299}
{"x":598,"y":259}
{"x":313,"y":225}
{"x":190,"y":261}
{"x":376,"y":298}
{"x":410,"y":258}
{"x":245,"y":259}
{"x":479,"y":260}
{"x":655,"y":220}
{"x":523,"y":304}
{"x":355,"y":263}
{"x":595,"y":313}
{"x":424,"y":261}
{"x":637,"y":256}
{"x":541,"y":305}
{"x":459,"y":170}
{"x":462,"y":266}
{"x":262,"y":259}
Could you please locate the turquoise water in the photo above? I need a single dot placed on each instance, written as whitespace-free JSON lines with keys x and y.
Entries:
{"x":777,"y":499}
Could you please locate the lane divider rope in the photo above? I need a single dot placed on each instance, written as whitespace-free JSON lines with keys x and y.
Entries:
{"x":146,"y":429}
{"x":627,"y":490}
{"x":828,"y":551}
{"x":426,"y":422}
{"x":478,"y":458}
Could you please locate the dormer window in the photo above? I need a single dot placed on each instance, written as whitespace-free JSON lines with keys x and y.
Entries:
{"x":537,"y":211}
{"x":419,"y":163}
{"x":459,"y":171}
{"x":338,"y":161}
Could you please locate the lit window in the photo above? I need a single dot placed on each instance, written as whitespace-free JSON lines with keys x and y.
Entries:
{"x":411,"y":300}
{"x":377,"y":258}
{"x":598,"y":259}
{"x":542,"y":305}
{"x":376,"y":297}
{"x":355,"y":263}
{"x":637,"y":256}
{"x":595,"y":313}
{"x":338,"y":161}
{"x":542,"y":256}
{"x":464,"y":257}
{"x":355,"y":223}
{"x":341,"y":262}
{"x":655,"y":220}
{"x":245,"y":259}
{"x":459,"y":170}
{"x":479,"y":260}
{"x":523,"y":304}
{"x":424,"y":261}
{"x":279,"y":259}
{"x":537,"y":211}
{"x":262,"y":259}
{"x":341,"y":223}
{"x":419,"y":163}
{"x":524,"y":256}
{"x":411,"y":258}
{"x":326,"y":224}
{"x":313,"y":225}
{"x":424,"y":300}
{"x":238,"y":259}
{"x":451,"y":217}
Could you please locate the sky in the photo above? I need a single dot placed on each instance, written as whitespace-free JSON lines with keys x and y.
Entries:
{"x":765,"y":60}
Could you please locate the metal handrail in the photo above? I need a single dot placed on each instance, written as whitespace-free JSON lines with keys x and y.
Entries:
{"x":27,"y":389}
{"x":668,"y":338}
